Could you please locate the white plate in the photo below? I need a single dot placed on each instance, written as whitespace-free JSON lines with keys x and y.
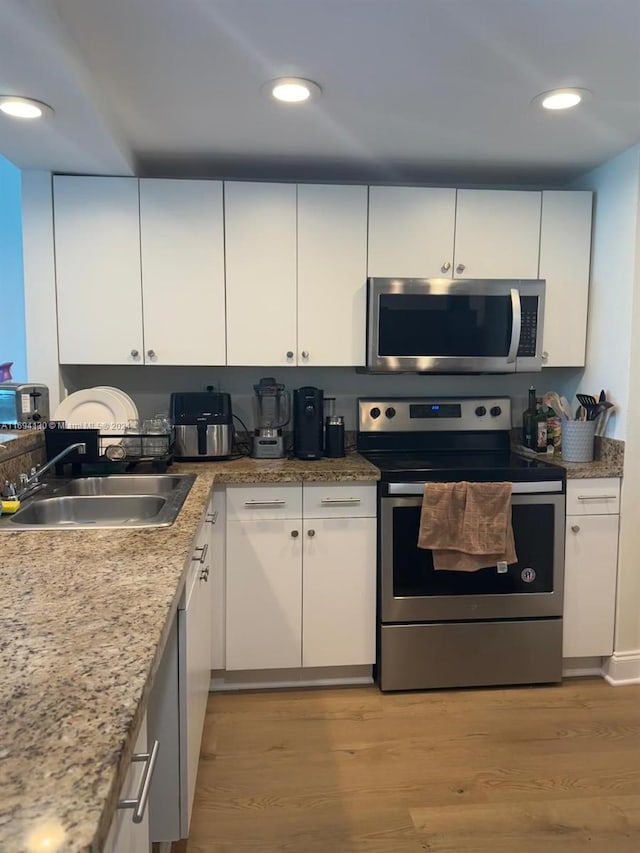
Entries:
{"x":132,"y":409}
{"x":94,"y":408}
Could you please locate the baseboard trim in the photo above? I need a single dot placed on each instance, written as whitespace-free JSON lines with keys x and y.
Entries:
{"x":581,"y":667}
{"x":622,"y":668}
{"x":291,"y":678}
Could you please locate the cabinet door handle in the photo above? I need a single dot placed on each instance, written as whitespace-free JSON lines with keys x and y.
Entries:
{"x":311,"y":533}
{"x":258,"y":504}
{"x":289,"y":353}
{"x":575,"y":528}
{"x":201,"y":557}
{"x":134,"y":353}
{"x":545,"y":356}
{"x":597,"y":497}
{"x":140,"y":803}
{"x":295,"y":534}
{"x":211,"y":517}
{"x":460,"y":268}
{"x":446,"y":266}
{"x":305,"y":353}
{"x":151,"y":353}
{"x":340,"y":501}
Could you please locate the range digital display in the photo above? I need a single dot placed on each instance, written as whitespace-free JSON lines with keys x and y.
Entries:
{"x":435,"y":410}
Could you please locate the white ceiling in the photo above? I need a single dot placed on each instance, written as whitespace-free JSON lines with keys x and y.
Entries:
{"x":414,"y":90}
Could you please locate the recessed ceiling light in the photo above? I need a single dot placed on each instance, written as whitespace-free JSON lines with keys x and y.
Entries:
{"x":292,"y":90}
{"x":17,"y":107}
{"x":561,"y":99}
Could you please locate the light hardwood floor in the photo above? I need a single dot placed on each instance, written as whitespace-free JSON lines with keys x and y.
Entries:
{"x":518,"y":770}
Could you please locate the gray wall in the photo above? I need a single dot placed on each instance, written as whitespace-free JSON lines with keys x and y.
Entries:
{"x":150,"y":386}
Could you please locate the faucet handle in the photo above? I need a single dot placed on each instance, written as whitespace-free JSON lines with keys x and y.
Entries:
{"x":9,"y":490}
{"x":22,"y":480}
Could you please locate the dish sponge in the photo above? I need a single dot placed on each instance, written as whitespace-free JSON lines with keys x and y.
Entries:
{"x":9,"y":505}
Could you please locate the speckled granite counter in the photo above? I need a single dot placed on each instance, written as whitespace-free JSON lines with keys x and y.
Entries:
{"x":350,"y":468}
{"x":609,"y":461}
{"x":85,"y":615}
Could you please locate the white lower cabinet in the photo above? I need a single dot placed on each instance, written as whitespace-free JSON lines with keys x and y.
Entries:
{"x":216,"y":517}
{"x":125,"y":834}
{"x":591,"y":563}
{"x":178,"y":700}
{"x":264,"y":594}
{"x":338,"y":591}
{"x":300,"y":591}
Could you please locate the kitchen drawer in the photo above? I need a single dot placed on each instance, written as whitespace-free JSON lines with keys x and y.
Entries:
{"x":339,"y":500}
{"x":593,"y":497}
{"x":255,"y":502}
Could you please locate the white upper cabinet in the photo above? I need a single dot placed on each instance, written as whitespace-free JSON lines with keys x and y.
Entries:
{"x":97,"y":245}
{"x":497,"y":234}
{"x":332,"y":274}
{"x":411,"y":232}
{"x":182,"y":246}
{"x":260,"y":235}
{"x":565,"y":248}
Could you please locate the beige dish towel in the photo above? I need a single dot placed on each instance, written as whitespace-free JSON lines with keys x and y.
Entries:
{"x":467,"y":525}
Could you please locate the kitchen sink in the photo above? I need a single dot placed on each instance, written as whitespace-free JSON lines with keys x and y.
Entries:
{"x":116,"y":501}
{"x":124,"y":484}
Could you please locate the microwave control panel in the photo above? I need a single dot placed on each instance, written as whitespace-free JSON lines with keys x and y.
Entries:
{"x":529,"y":328}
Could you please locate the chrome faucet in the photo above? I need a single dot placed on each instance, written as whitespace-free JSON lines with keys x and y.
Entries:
{"x":29,"y":485}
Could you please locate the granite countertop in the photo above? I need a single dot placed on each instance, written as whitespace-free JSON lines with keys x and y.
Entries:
{"x":350,"y":468}
{"x":85,"y":616}
{"x":16,"y":442}
{"x":609,"y":461}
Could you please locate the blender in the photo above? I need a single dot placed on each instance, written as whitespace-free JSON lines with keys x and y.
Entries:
{"x":272,"y":412}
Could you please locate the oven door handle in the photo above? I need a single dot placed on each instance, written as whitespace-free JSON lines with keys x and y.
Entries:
{"x":516,"y":325}
{"x":516,"y":488}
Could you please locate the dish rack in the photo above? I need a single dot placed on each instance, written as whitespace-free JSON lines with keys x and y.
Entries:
{"x":120,"y":450}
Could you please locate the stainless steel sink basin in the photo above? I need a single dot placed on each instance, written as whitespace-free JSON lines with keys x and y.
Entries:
{"x":110,"y":511}
{"x":136,"y":500}
{"x":124,"y":484}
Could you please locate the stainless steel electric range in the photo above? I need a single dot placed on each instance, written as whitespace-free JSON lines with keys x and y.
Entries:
{"x":458,"y":629}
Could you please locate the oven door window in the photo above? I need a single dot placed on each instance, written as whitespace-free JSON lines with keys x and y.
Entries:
{"x":414,"y":574}
{"x":445,"y":325}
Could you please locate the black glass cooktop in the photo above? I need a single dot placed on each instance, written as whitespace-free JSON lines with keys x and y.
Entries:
{"x":485,"y":466}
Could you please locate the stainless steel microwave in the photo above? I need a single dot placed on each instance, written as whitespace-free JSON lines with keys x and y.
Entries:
{"x":440,"y":325}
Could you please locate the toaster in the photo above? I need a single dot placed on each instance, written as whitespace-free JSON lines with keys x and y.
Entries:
{"x":23,"y":403}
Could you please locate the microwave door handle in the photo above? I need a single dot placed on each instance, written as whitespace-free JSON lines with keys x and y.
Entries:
{"x":516,"y":325}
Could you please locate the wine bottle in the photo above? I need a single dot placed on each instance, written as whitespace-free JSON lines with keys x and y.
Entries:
{"x":530,"y":422}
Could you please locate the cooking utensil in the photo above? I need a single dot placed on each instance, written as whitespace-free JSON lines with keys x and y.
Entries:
{"x":603,"y":397}
{"x":581,"y":414}
{"x":566,"y":408}
{"x":587,"y":400}
{"x":552,"y":399}
{"x":602,"y":420}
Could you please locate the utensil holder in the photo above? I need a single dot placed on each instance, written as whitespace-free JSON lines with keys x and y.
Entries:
{"x":577,"y":440}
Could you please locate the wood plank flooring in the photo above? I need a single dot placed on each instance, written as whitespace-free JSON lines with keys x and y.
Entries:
{"x":512,"y":770}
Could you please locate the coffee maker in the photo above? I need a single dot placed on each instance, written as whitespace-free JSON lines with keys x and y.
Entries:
{"x":272,"y":407}
{"x":308,"y":410}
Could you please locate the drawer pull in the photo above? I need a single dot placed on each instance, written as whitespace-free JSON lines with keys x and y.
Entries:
{"x":201,"y":557}
{"x":140,"y":803}
{"x":575,"y":528}
{"x":340,"y":501}
{"x":597,"y":497}
{"x":258,"y":504}
{"x":212,"y":517}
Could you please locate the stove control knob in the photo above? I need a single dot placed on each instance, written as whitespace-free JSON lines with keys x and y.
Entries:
{"x":495,"y":411}
{"x":481,"y":411}
{"x":390,"y":412}
{"x":375,"y":412}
